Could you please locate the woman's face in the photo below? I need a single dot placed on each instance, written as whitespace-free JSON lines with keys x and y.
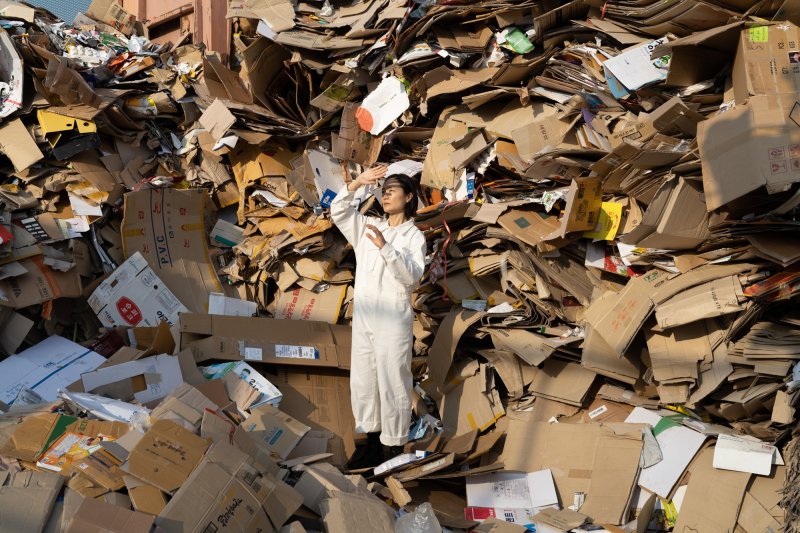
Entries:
{"x":394,"y":200}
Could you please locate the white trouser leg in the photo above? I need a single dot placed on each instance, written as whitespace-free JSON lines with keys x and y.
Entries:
{"x":393,"y":359}
{"x":364,"y":378}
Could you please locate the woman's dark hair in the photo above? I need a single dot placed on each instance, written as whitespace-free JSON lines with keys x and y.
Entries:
{"x":409,"y":187}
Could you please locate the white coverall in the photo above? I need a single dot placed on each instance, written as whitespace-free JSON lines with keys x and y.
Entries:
{"x":380,"y":366}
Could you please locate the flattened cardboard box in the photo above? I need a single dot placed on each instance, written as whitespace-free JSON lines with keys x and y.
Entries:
{"x":321,"y":481}
{"x":599,"y":460}
{"x":167,"y":226}
{"x":676,"y":219}
{"x":713,"y":498}
{"x":166,"y":455}
{"x":468,"y":406}
{"x":266,"y":340}
{"x":29,"y":438}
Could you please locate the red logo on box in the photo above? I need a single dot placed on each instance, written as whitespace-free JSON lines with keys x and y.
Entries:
{"x":129,"y":311}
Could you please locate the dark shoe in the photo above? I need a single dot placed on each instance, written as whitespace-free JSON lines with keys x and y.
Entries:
{"x":390,"y":452}
{"x":369,"y":456}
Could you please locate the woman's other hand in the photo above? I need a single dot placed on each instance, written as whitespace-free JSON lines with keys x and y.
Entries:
{"x":375,"y":236}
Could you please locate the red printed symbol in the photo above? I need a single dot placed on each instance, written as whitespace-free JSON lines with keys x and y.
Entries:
{"x":778,"y":167}
{"x":129,"y":311}
{"x":777,"y":153}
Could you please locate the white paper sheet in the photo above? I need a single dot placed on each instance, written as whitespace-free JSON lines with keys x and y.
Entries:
{"x":678,"y":444}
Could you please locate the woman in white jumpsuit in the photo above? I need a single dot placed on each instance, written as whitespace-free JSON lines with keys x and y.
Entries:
{"x":390,"y":259}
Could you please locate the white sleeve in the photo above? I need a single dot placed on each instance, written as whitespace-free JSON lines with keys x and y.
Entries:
{"x":406,"y":265}
{"x":346,"y":216}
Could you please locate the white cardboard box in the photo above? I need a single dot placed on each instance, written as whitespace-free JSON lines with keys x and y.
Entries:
{"x":134,"y":296}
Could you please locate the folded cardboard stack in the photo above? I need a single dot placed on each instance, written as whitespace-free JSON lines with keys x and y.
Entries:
{"x":605,"y":333}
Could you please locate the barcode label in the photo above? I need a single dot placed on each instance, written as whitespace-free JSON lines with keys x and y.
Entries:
{"x":296,"y":352}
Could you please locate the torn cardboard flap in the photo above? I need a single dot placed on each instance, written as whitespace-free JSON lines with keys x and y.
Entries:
{"x":161,"y":375}
{"x":18,"y":145}
{"x":217,"y":119}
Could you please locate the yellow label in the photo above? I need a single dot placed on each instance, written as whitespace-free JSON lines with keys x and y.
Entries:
{"x":759,"y":34}
{"x":607,"y":222}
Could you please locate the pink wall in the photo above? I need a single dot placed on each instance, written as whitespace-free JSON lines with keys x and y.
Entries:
{"x":204,"y":18}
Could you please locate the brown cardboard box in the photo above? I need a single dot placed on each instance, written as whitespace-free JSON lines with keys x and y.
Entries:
{"x":224,"y":337}
{"x":27,"y":499}
{"x":18,"y":145}
{"x":278,"y":431}
{"x":747,"y":147}
{"x":766,"y":62}
{"x":471,"y":405}
{"x":699,"y":56}
{"x":228,"y":502}
{"x":564,"y":382}
{"x":716,"y":298}
{"x":166,"y":455}
{"x":144,"y":497}
{"x":353,"y":143}
{"x":302,"y":304}
{"x":320,"y":398}
{"x":322,"y":481}
{"x":167,"y":227}
{"x":530,"y":227}
{"x":27,"y":441}
{"x":95,"y":516}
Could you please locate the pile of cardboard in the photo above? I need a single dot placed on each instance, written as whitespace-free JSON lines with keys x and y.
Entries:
{"x":605,"y":333}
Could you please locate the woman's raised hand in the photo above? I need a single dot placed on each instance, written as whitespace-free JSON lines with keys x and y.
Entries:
{"x":368,"y":177}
